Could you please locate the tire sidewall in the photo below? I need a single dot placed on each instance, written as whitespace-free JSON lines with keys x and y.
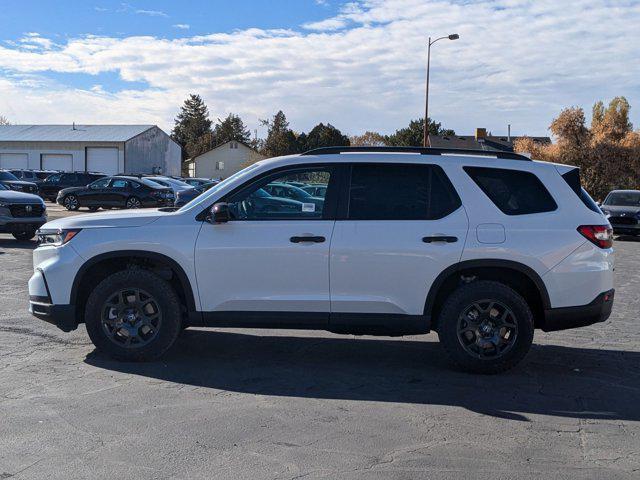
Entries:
{"x":461,"y":299}
{"x":163,"y":294}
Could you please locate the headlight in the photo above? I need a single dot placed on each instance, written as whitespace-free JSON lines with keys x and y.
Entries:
{"x":56,"y":237}
{"x":607,"y":213}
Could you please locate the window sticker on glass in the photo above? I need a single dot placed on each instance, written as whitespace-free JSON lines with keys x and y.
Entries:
{"x":308,"y":207}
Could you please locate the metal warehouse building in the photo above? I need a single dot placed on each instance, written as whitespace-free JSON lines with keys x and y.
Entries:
{"x":108,"y":149}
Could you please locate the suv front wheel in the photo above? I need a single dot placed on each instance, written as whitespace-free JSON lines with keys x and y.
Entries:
{"x":133,"y":315}
{"x":485,"y":327}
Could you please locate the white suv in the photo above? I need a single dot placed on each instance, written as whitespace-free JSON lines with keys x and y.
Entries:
{"x":481,"y":247}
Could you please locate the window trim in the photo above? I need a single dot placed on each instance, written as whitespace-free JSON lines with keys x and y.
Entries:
{"x":434,"y":168}
{"x":337,"y":171}
{"x":467,"y":169}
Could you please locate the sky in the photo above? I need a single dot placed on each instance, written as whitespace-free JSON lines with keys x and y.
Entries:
{"x":358,"y":64}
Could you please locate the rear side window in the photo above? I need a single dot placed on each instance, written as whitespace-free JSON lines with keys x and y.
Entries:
{"x":572,"y":177}
{"x":400,"y":192}
{"x":514,"y":192}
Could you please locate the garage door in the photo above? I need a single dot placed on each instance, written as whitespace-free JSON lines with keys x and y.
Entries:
{"x":57,"y":161}
{"x":103,"y":160}
{"x":14,"y":160}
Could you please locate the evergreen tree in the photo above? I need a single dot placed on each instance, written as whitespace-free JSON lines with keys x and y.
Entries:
{"x":231,"y":128}
{"x":280,"y":138}
{"x":325,"y":136}
{"x":192,"y":127}
{"x":413,"y":135}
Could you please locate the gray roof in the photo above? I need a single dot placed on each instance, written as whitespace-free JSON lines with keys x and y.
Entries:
{"x":490,"y":142}
{"x":69,"y":133}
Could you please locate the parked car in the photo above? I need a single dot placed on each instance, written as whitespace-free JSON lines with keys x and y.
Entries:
{"x":54,"y":183}
{"x":196,"y":182}
{"x":35,"y":176}
{"x":172,"y":183}
{"x":116,"y":192}
{"x":185,"y":196}
{"x":10,"y":181}
{"x":316,"y":190}
{"x":622,"y":208}
{"x":286,"y":190}
{"x":21,"y":214}
{"x":481,"y":247}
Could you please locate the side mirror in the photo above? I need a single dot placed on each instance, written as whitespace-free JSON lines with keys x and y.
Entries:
{"x":219,"y":213}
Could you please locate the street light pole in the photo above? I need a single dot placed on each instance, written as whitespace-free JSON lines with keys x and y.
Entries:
{"x":453,"y":36}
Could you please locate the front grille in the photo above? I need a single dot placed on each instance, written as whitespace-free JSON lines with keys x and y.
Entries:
{"x":29,"y":210}
{"x":623,"y":221}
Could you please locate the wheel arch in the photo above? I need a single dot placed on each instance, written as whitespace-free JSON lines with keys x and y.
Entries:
{"x":516,"y":275}
{"x":100,"y":266}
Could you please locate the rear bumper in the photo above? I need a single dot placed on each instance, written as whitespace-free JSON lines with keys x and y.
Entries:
{"x":573,"y":317}
{"x":62,"y":316}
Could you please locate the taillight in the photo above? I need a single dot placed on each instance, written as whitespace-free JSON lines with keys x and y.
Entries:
{"x":599,"y":235}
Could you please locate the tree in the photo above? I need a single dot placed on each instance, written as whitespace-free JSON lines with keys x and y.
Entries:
{"x":192,"y":128}
{"x":280,"y":138}
{"x":231,"y":128}
{"x":612,"y":123}
{"x":4,"y":120}
{"x":368,"y":139}
{"x":323,"y":136}
{"x":413,"y":135}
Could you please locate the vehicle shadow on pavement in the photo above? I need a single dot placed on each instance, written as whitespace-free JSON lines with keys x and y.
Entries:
{"x":11,"y":243}
{"x":553,"y":380}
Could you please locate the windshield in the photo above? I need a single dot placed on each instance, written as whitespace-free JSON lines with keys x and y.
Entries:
{"x":623,"y":199}
{"x":245,"y":172}
{"x":173,"y":181}
{"x":7,"y":176}
{"x":151,"y":182}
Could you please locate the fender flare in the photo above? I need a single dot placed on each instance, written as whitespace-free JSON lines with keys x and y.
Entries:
{"x":486,"y":263}
{"x":175,"y":266}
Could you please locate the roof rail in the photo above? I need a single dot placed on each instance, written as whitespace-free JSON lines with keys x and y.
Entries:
{"x":420,"y":150}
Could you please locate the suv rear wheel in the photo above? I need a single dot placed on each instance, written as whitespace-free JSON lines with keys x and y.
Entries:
{"x":133,"y":315}
{"x":485,"y":327}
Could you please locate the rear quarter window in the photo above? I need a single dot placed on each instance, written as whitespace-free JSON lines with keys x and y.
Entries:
{"x":514,"y":192}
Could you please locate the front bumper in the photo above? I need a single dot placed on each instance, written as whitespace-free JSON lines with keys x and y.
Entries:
{"x":62,"y":316}
{"x":564,"y":318}
{"x":11,"y":224}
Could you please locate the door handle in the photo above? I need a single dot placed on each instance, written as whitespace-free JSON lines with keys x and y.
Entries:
{"x":310,"y":239}
{"x":440,"y":238}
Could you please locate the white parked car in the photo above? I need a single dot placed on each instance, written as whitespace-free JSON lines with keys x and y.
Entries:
{"x":482,"y":247}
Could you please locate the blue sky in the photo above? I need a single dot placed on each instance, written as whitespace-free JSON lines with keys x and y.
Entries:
{"x":356,"y":64}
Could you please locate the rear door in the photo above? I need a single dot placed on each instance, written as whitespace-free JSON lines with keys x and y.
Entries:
{"x":403,"y":225}
{"x":117,"y":193}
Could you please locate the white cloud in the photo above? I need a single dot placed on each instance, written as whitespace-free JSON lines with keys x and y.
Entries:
{"x":517,"y":61}
{"x":151,"y":13}
{"x":182,"y":26}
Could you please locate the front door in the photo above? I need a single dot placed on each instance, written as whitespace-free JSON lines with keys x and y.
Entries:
{"x":93,"y":194}
{"x":272,"y":258}
{"x":404,"y":225}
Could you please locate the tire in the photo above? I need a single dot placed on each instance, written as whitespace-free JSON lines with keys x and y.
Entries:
{"x":94,"y":209}
{"x":110,"y":323}
{"x":27,"y":234}
{"x":472,"y":330}
{"x":71,"y":203}
{"x":133,"y":202}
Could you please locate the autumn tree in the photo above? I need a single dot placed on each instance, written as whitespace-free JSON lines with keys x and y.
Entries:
{"x":368,"y":139}
{"x":611,"y":123}
{"x":192,"y":129}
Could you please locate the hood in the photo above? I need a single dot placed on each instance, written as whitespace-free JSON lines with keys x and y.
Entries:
{"x":112,"y":219}
{"x":19,"y":182}
{"x":619,"y":209}
{"x":71,"y":189}
{"x":19,"y":197}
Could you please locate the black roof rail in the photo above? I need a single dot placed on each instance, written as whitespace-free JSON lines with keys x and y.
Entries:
{"x":420,"y":150}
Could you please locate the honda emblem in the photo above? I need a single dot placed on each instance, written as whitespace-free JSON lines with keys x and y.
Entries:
{"x":28,"y":208}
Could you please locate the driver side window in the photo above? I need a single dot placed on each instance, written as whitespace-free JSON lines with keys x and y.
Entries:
{"x":102,"y":183}
{"x":268,"y":198}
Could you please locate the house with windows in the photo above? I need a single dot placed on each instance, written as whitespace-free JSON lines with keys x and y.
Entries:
{"x":108,"y":149}
{"x":224,"y":160}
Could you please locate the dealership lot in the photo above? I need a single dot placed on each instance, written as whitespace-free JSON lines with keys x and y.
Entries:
{"x":291,"y":404}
